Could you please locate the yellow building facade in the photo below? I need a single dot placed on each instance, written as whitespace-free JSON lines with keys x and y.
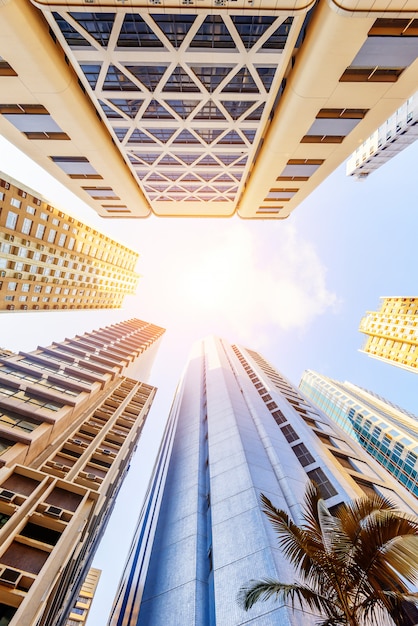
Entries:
{"x":80,"y":611}
{"x":392,"y":332}
{"x":200,"y":108}
{"x":49,"y":260}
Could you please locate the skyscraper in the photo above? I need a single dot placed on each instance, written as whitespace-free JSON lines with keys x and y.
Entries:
{"x":387,"y":432}
{"x":237,"y":428}
{"x":49,"y":260}
{"x":392,"y":332}
{"x":398,"y":132}
{"x":70,"y":418}
{"x":200,"y":107}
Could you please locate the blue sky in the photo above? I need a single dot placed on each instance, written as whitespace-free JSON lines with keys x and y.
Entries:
{"x":294,"y":290}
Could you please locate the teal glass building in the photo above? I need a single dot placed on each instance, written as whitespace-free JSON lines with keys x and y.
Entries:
{"x":387,"y":432}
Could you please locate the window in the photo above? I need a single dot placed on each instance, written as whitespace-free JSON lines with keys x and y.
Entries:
{"x":16,"y":203}
{"x":61,"y":240}
{"x":367,"y":487}
{"x":31,"y":210}
{"x":44,"y":216}
{"x":303,"y":455}
{"x":55,"y":221}
{"x":40,"y":230}
{"x":13,"y":420}
{"x":326,"y":489}
{"x":51,"y":235}
{"x":12,"y":286}
{"x":11,"y":220}
{"x":26,"y":226}
{"x":289,"y":433}
{"x":25,"y":287}
{"x":279,"y":417}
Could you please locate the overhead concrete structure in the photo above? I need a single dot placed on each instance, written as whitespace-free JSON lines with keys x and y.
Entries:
{"x":198,"y":107}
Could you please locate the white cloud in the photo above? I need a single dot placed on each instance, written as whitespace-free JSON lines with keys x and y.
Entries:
{"x":240,"y":280}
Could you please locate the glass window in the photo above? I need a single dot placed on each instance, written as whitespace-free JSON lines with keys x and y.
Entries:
{"x":51,"y":235}
{"x":13,"y":420}
{"x":26,"y":226}
{"x":44,"y":216}
{"x":61,"y":240}
{"x":16,"y":203}
{"x":11,"y":219}
{"x":289,"y":433}
{"x":12,"y":286}
{"x":326,"y":489}
{"x":40,"y":230}
{"x":31,"y":210}
{"x":303,"y":455}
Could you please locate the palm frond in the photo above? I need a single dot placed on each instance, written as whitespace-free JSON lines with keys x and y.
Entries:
{"x":264,"y":589}
{"x":354,"y":564}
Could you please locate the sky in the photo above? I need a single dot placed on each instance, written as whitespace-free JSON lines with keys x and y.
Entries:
{"x":294,"y":290}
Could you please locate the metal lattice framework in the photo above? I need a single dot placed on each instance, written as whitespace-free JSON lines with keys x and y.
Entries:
{"x":186,"y":97}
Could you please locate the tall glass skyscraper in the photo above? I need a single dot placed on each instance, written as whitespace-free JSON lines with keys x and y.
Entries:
{"x":387,"y":432}
{"x":237,"y":428}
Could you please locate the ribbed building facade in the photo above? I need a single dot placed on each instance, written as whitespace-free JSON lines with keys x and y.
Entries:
{"x":200,"y":107}
{"x":392,"y":332}
{"x":387,"y":432}
{"x":70,"y":418}
{"x":50,"y":260}
{"x":398,"y":132}
{"x":237,"y":428}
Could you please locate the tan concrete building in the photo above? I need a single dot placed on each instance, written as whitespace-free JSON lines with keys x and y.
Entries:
{"x":70,"y":418}
{"x":191,"y":108}
{"x":80,"y":611}
{"x":49,"y":260}
{"x":392,"y":332}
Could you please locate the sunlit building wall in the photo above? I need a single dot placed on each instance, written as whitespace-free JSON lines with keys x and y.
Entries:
{"x":392,"y":332}
{"x":237,"y":428}
{"x":398,"y":132}
{"x":200,"y":108}
{"x":49,"y":260}
{"x":387,"y":432}
{"x":70,"y":419}
{"x":80,"y":611}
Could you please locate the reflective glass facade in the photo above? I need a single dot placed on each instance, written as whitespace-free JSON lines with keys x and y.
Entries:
{"x":389,"y":434}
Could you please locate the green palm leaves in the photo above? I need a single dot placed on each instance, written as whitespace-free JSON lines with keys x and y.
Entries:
{"x":355,"y":565}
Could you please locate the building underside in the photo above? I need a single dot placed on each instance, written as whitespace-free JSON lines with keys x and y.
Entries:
{"x":200,"y":108}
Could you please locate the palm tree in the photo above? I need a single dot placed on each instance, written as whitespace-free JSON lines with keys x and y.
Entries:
{"x":354,"y":565}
